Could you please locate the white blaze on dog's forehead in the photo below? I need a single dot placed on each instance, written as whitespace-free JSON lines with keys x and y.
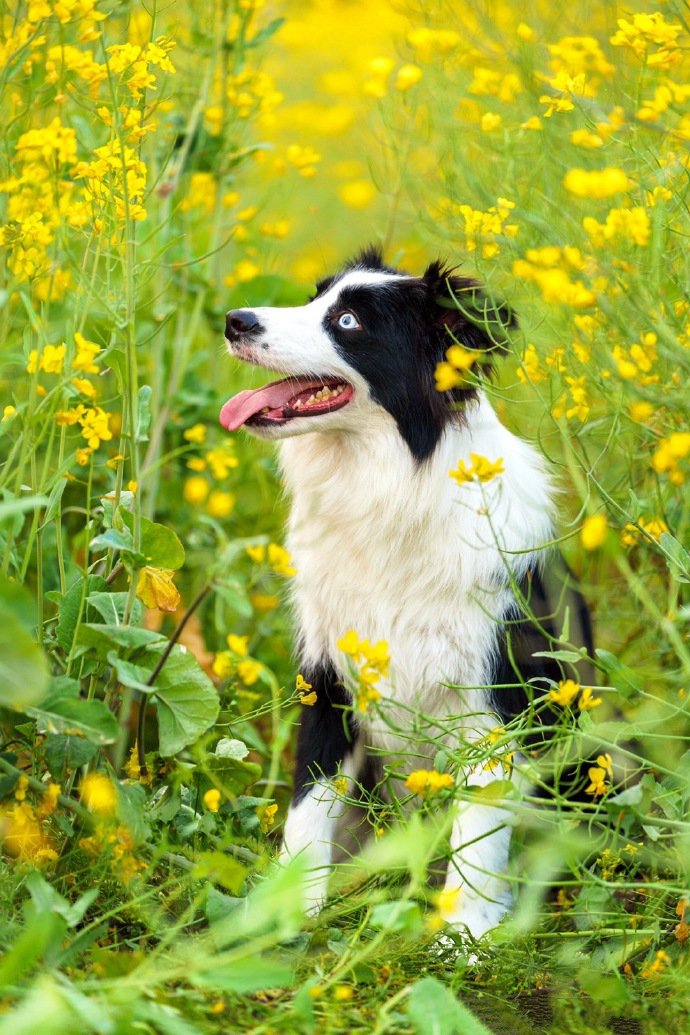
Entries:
{"x":357,"y":278}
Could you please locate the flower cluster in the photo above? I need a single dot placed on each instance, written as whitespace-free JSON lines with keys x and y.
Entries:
{"x":479,"y":469}
{"x":568,"y":690}
{"x":372,"y":661}
{"x":425,"y":782}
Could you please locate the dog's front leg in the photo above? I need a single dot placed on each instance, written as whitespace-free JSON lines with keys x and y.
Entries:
{"x":327,"y":745}
{"x":480,"y":842}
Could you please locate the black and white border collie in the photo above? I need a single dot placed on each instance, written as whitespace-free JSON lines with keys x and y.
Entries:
{"x":387,"y":544}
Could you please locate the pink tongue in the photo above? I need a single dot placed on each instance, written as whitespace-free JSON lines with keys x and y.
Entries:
{"x":276,"y":395}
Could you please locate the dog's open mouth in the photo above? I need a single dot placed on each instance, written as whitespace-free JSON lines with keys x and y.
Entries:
{"x":282,"y":401}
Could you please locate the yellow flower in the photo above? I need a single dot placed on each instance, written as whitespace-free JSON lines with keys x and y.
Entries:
{"x":567,"y":691}
{"x":587,"y":702}
{"x":594,"y":531}
{"x":83,"y":456}
{"x":94,"y":427}
{"x":99,"y":794}
{"x":221,"y":461}
{"x":249,"y":671}
{"x":531,"y":370}
{"x":223,"y":664}
{"x":51,"y":361}
{"x":341,"y":785}
{"x":8,"y":413}
{"x":196,"y":434}
{"x":490,"y":121}
{"x":238,"y":644}
{"x":220,"y":504}
{"x":211,"y":799}
{"x":524,"y":32}
{"x":256,"y":553}
{"x":267,"y":816}
{"x":301,"y":685}
{"x":280,"y":560}
{"x":598,"y":774}
{"x":357,"y":193}
{"x":156,"y":589}
{"x":428,"y":781}
{"x":342,"y":993}
{"x":408,"y":76}
{"x":634,"y":534}
{"x":480,"y":469}
{"x":85,"y":387}
{"x":596,"y":183}
{"x":195,"y":490}
{"x":309,"y":699}
{"x":86,"y":354}
{"x":641,"y":411}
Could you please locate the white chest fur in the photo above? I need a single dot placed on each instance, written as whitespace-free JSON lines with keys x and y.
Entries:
{"x":400,"y":552}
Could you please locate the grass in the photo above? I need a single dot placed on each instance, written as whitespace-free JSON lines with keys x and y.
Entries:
{"x":148,"y":700}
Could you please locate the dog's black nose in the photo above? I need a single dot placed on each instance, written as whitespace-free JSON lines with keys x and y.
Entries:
{"x":239,"y":322}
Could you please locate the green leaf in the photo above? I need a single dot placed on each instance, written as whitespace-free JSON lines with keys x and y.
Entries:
{"x":131,"y":675}
{"x":433,"y":1010}
{"x":221,"y":869}
{"x":186,"y":700}
{"x":10,"y":508}
{"x":17,"y":600}
{"x":622,"y":677}
{"x":71,"y":605}
{"x":234,"y":774}
{"x":65,"y":753}
{"x":24,"y":671}
{"x":54,"y":501}
{"x":677,"y":557}
{"x":159,"y":545}
{"x":113,"y":539}
{"x":63,"y":710}
{"x":397,"y":916}
{"x":144,"y":414}
{"x":104,"y":637}
{"x":111,"y":607}
{"x":246,"y":975}
{"x":572,"y":656}
{"x":45,"y":899}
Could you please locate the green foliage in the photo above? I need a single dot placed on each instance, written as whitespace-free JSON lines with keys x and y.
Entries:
{"x":147,"y":706}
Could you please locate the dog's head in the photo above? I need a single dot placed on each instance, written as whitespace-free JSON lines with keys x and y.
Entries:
{"x":368,"y":341}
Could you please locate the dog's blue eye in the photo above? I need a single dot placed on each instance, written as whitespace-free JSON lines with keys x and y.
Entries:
{"x":348,"y":322}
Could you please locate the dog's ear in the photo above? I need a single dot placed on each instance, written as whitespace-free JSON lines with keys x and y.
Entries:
{"x":463,"y":313}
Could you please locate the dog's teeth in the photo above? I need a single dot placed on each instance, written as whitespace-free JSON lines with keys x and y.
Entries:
{"x":265,"y":409}
{"x":310,"y":400}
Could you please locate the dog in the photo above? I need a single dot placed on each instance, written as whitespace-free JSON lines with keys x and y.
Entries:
{"x":452,"y":575}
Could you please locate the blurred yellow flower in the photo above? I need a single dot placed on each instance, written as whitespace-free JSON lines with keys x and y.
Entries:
{"x":249,"y":671}
{"x":212,"y":799}
{"x":98,"y":794}
{"x":196,"y":434}
{"x":357,"y":193}
{"x":195,"y":490}
{"x":408,"y":76}
{"x":594,"y":531}
{"x":238,"y":644}
{"x":428,"y":781}
{"x":220,"y":504}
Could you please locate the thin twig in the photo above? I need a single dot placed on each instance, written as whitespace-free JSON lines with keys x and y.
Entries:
{"x":141,"y":719}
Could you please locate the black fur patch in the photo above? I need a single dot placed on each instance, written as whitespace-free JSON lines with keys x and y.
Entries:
{"x":407,"y":326}
{"x":327,"y":732}
{"x":532,"y":625}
